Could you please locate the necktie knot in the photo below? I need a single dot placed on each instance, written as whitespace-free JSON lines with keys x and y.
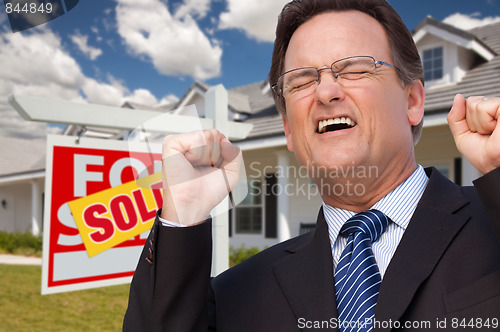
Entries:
{"x":372,"y":223}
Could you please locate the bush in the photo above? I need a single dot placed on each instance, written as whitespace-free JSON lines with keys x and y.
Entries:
{"x":20,"y":243}
{"x":238,"y":255}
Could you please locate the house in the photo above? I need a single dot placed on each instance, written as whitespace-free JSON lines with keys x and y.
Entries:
{"x":283,"y":202}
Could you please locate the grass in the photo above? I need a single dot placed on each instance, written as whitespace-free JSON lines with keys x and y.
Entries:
{"x":24,"y":309}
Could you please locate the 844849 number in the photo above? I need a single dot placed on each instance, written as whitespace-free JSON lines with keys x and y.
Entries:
{"x":477,"y":323}
{"x":31,"y":7}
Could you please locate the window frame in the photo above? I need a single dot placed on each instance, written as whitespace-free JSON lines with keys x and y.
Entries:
{"x":432,"y":60}
{"x":260,"y":205}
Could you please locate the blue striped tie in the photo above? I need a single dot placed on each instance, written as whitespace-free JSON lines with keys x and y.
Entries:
{"x":357,"y":277}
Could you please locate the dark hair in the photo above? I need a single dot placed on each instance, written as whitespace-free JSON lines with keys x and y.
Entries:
{"x":403,"y":48}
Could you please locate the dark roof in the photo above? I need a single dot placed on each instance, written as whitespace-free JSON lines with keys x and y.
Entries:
{"x":259,"y":95}
{"x":490,"y":35}
{"x":263,"y":114}
{"x":248,"y":99}
{"x":266,"y":126}
{"x":21,"y":155}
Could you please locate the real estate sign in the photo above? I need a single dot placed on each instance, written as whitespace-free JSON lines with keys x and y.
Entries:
{"x":96,"y":217}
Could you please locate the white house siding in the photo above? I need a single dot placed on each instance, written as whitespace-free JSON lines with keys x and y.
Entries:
{"x":437,"y":148}
{"x":16,"y":216}
{"x":305,"y":200}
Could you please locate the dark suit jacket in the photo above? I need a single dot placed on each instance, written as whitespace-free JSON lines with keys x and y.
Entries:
{"x":446,"y":268}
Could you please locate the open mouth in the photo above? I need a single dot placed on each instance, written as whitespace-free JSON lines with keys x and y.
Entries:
{"x":334,"y":124}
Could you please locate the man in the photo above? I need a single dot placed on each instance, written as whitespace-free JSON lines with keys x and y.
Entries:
{"x":438,"y":258}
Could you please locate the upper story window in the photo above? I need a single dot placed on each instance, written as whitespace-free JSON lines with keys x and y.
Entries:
{"x":433,"y":64}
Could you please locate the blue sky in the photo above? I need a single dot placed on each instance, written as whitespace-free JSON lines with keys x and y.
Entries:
{"x":151,"y":51}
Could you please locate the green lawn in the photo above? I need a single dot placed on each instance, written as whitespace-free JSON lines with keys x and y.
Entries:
{"x":22,"y":308}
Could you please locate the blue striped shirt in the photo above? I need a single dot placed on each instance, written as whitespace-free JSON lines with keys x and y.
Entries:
{"x":399,"y":205}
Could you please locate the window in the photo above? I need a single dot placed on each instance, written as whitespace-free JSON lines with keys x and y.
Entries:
{"x":258,"y":212}
{"x":248,"y":214}
{"x":433,"y":64}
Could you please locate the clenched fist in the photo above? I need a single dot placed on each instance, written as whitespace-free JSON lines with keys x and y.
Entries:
{"x":199,"y":170}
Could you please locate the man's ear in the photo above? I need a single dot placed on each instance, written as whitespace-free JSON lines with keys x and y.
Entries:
{"x":415,"y":95}
{"x":288,"y":134}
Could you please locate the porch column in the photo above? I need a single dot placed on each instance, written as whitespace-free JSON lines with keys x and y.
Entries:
{"x":283,"y":199}
{"x":36,"y":207}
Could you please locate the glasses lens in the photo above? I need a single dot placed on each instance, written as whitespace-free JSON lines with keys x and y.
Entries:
{"x":354,"y":68}
{"x":298,"y":80}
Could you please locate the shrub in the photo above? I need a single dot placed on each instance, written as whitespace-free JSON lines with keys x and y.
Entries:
{"x":20,"y":243}
{"x":238,"y":255}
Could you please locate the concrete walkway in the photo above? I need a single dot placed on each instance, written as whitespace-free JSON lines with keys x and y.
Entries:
{"x":19,"y":260}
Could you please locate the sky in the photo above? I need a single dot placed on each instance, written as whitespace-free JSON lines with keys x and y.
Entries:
{"x":151,"y":51}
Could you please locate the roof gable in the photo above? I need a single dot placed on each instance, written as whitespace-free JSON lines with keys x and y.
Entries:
{"x":195,"y":90}
{"x":447,"y":32}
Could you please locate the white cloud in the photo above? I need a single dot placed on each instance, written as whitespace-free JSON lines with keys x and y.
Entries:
{"x":81,"y":41}
{"x":35,"y":63}
{"x":168,"y":99}
{"x":145,"y":97}
{"x":103,"y":93}
{"x":198,"y":8}
{"x":175,"y":47}
{"x":467,"y":22}
{"x":257,"y":18}
{"x":95,"y":30}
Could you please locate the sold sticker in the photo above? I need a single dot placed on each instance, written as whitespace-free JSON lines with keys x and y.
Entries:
{"x":112,"y":216}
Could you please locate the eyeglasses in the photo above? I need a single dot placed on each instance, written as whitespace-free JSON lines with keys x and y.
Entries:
{"x":304,"y":80}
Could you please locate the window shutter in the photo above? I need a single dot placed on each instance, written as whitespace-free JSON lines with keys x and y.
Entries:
{"x":271,"y":207}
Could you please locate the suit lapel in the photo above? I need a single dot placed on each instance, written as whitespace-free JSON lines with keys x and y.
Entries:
{"x":306,"y":276}
{"x":433,"y":226}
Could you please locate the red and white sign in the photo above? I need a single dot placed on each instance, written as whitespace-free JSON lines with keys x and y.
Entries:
{"x":92,"y":168}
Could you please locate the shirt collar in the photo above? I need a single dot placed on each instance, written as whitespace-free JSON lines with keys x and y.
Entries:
{"x":399,"y":205}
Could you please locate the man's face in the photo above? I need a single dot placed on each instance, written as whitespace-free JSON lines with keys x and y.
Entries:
{"x":378,"y":104}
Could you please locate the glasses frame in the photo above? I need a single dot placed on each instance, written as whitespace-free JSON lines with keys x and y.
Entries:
{"x":278,"y":91}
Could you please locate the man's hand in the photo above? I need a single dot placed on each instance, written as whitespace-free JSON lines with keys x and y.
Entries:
{"x":476,"y":130}
{"x":199,"y":170}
